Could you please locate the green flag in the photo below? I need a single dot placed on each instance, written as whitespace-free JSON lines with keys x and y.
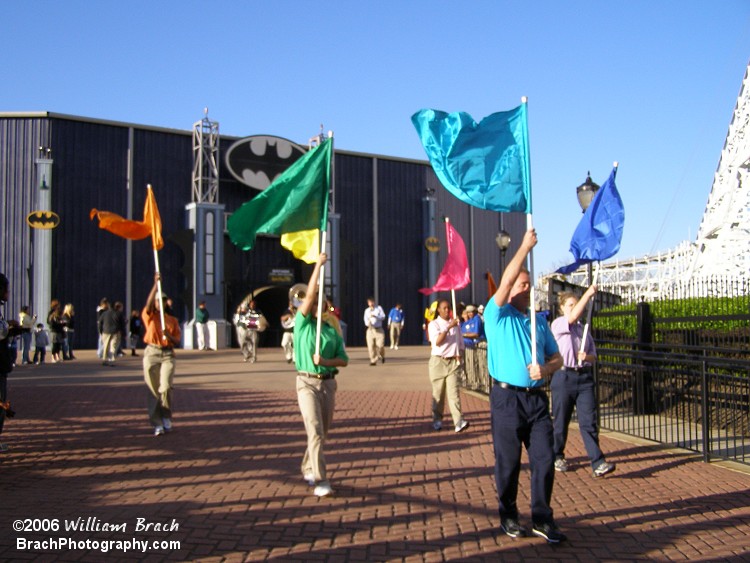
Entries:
{"x":296,"y":201}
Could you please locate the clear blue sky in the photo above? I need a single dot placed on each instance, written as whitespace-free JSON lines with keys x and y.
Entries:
{"x":651,"y":84}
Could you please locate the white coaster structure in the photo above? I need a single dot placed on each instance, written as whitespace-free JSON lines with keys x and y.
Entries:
{"x":720,"y":255}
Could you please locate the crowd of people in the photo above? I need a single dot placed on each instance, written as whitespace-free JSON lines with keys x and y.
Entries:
{"x":520,"y":411}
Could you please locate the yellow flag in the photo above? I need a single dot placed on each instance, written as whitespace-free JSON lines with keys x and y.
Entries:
{"x":305,"y":245}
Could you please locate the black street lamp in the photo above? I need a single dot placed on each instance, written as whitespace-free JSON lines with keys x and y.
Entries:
{"x":502,"y":240}
{"x":586,"y":191}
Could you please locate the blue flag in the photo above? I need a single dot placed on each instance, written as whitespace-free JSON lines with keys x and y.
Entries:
{"x":599,"y":233}
{"x":483,"y":164}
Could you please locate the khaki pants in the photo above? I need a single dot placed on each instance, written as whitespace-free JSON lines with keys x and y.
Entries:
{"x":158,"y":372}
{"x":395,"y":334}
{"x":111,"y":342}
{"x":375,"y":343}
{"x":317,"y":400}
{"x":444,"y":379}
{"x":201,"y":330}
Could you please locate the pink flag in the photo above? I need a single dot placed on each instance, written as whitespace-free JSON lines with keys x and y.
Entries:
{"x":455,"y":274}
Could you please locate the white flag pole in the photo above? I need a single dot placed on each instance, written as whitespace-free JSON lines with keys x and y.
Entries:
{"x":530,"y":226}
{"x":158,"y":281}
{"x":448,"y":245}
{"x":588,"y":315}
{"x":591,"y":305}
{"x":321,"y":283}
{"x":532,"y":296}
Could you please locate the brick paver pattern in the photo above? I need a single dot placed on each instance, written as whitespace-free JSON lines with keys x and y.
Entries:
{"x":228,"y":475}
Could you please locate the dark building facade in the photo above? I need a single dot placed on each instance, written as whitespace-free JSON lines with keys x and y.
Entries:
{"x":385,"y":207}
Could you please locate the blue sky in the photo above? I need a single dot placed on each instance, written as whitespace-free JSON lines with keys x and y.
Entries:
{"x":651,"y":84}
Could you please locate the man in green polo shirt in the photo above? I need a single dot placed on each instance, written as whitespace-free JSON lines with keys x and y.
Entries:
{"x":316,"y":383}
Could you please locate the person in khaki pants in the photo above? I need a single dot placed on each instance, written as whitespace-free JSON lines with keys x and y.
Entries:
{"x":375,"y":336}
{"x":159,"y":360}
{"x":316,"y":381}
{"x":445,"y":366}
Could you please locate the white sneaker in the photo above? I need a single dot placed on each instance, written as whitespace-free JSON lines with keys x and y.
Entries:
{"x":437,"y":425}
{"x":323,"y":490}
{"x":463,"y":425}
{"x":391,"y":346}
{"x":167,"y":424}
{"x":158,"y":431}
{"x":397,"y":347}
{"x":309,"y":478}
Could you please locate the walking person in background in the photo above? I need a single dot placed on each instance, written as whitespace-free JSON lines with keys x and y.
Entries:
{"x":103,"y":306}
{"x":26,"y":322}
{"x":573,"y":384}
{"x":519,"y":406}
{"x":395,"y":325}
{"x":41,"y":341}
{"x":445,"y":366}
{"x":135,"y":327}
{"x":110,"y":328}
{"x":240,"y":325}
{"x":287,"y":339}
{"x":316,"y":381}
{"x":375,"y":336}
{"x":56,"y":326}
{"x":159,"y":360}
{"x":69,"y":326}
{"x":201,"y":326}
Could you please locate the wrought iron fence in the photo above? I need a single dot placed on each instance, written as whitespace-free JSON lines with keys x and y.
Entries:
{"x":680,"y":379}
{"x":701,"y":403}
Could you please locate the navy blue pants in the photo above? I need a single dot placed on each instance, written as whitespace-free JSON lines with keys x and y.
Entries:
{"x":520,"y":418}
{"x":571,"y":389}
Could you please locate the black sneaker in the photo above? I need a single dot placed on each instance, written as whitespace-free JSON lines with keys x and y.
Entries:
{"x":603,"y":468}
{"x":549,"y":532}
{"x":512,"y":528}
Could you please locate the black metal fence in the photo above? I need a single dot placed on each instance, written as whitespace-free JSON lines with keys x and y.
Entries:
{"x":681,"y":380}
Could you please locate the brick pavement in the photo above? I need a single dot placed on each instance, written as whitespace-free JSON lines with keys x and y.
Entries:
{"x":228,"y":475}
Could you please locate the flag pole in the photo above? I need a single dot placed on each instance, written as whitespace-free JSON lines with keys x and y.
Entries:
{"x":615,"y":164}
{"x":530,"y":226}
{"x":321,"y":276}
{"x":321,"y":282}
{"x":156,"y":266}
{"x":448,"y":244}
{"x":588,"y":315}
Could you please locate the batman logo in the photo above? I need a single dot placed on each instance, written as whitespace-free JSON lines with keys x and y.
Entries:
{"x":257,"y":161}
{"x":43,"y":219}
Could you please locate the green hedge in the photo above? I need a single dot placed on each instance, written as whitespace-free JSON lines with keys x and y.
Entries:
{"x":620,"y":321}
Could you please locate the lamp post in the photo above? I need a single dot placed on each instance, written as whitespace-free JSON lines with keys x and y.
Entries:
{"x":585,"y":193}
{"x":502,"y":240}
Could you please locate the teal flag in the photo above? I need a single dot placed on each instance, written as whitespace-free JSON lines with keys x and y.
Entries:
{"x":296,"y":201}
{"x":483,"y":164}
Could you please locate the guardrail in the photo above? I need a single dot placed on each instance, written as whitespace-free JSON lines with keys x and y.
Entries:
{"x":688,"y":400}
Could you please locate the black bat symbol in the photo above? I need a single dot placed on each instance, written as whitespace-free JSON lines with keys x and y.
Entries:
{"x":43,"y":219}
{"x":257,"y":161}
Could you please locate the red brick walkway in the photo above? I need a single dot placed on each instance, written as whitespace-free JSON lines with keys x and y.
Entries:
{"x":228,"y":476}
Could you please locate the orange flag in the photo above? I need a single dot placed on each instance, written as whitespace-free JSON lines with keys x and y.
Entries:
{"x":491,"y":285}
{"x":134,"y":230}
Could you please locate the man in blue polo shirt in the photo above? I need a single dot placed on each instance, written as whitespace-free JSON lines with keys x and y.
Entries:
{"x":519,"y":405}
